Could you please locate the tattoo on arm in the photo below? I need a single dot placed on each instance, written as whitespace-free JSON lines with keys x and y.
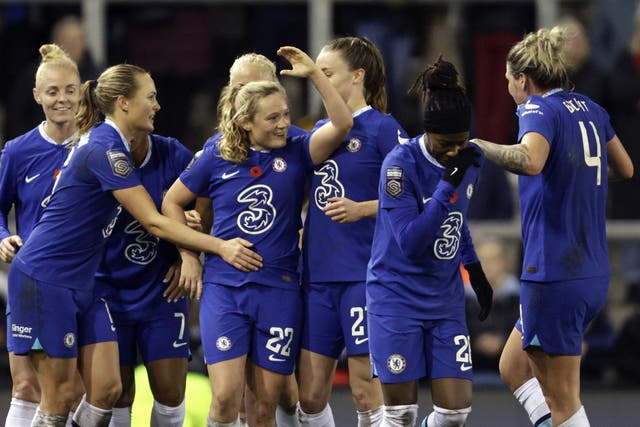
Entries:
{"x":514,"y":158}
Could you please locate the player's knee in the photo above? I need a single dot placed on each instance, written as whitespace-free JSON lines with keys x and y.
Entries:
{"x":169,"y":396}
{"x":26,"y":389}
{"x":126,"y":397}
{"x":509,"y":377}
{"x":224,"y":404}
{"x":441,"y":417}
{"x":108,"y":394}
{"x":289,"y":397}
{"x":312,"y":401}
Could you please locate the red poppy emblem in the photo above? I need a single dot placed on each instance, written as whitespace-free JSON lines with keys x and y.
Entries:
{"x":255,"y":171}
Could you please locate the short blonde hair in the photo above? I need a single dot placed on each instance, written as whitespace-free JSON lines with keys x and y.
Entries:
{"x":54,"y":56}
{"x":266,"y":66}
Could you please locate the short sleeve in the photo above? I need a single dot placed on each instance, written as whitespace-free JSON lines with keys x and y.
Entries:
{"x":536,"y":116}
{"x":113,"y":168}
{"x":197,"y":176}
{"x":390,"y":135}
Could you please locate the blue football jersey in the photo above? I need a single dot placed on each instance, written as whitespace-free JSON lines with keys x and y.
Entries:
{"x":259,"y":200}
{"x":135,"y":261}
{"x":28,"y":168}
{"x":66,"y":244}
{"x":334,"y":252}
{"x":422,"y":280}
{"x":563,"y":208}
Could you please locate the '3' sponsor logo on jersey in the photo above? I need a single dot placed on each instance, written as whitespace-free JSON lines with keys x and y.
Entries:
{"x":260,"y":214}
{"x":330,"y":186}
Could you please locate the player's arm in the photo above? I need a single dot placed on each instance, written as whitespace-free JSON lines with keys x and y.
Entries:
{"x":327,"y":139}
{"x":620,"y":164}
{"x":203,"y":207}
{"x":479,"y":282}
{"x":139,"y":204}
{"x":413,"y":231}
{"x":237,"y":252}
{"x":526,"y":158}
{"x":9,"y":244}
{"x":344,"y":210}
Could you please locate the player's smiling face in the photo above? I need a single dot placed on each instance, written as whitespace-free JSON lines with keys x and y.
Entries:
{"x":143,"y":105}
{"x":58,"y":91}
{"x":269,"y":126}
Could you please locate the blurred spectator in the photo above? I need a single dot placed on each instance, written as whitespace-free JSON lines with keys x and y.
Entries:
{"x":623,"y":104}
{"x":586,"y":76}
{"x":488,"y":337}
{"x":610,"y":30}
{"x":22,"y":112}
{"x":627,"y":346}
{"x":598,"y":357}
{"x":69,"y":33}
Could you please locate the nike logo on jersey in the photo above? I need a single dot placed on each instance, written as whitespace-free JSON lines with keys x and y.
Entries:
{"x":177,"y":344}
{"x":273,"y":358}
{"x":453,"y":172}
{"x":401,"y":139}
{"x":464,"y":367}
{"x":28,"y":179}
{"x":361,"y":340}
{"x":425,"y":200}
{"x":229,"y":175}
{"x":530,"y":106}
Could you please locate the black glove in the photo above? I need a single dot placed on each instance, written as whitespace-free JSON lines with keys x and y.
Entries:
{"x":458,"y":165}
{"x":481,"y":287}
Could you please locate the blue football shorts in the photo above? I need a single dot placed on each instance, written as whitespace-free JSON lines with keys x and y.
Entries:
{"x":335,"y":318}
{"x":405,"y":349}
{"x":555,"y":315}
{"x":53,"y":318}
{"x":260,"y":321}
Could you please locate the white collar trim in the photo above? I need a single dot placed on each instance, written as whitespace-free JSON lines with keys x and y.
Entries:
{"x":124,"y":140}
{"x":50,"y":140}
{"x":427,"y":155}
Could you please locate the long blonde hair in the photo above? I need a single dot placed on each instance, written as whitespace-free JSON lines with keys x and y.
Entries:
{"x":98,"y":97}
{"x":236,"y":103}
{"x":540,"y":56}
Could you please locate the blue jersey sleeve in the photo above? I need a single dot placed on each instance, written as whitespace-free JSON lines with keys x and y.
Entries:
{"x":301,"y":142}
{"x":467,"y":250}
{"x":113,"y":169}
{"x":536,"y":115}
{"x":197,"y":176}
{"x":7,"y":191}
{"x":390,"y":135}
{"x":181,"y":157}
{"x":414,"y":231}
